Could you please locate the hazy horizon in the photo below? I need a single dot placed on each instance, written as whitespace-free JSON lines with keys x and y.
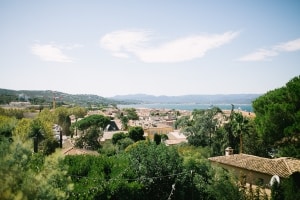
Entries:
{"x":171,"y":48}
{"x":133,"y":94}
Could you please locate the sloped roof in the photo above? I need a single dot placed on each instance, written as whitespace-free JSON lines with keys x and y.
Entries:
{"x":283,"y":167}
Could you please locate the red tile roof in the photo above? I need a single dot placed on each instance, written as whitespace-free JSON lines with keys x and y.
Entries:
{"x":283,"y":167}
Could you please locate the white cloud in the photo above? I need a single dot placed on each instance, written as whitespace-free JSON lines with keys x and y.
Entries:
{"x":51,"y":52}
{"x":136,"y":43}
{"x":263,"y":54}
{"x":185,"y":49}
{"x":122,"y":42}
{"x":293,"y":45}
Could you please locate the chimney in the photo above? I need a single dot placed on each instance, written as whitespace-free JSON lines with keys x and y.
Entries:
{"x":228,"y":151}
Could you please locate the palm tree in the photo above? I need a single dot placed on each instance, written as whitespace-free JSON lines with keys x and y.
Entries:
{"x":239,"y":127}
{"x":37,"y":133}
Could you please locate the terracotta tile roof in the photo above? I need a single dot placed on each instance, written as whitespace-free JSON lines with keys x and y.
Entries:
{"x":282,"y":167}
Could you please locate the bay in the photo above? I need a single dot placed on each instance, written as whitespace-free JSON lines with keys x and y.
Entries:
{"x":189,"y":107}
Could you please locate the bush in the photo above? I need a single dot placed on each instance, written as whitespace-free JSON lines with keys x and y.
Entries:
{"x":118,"y":136}
{"x":108,"y":149}
{"x":136,"y":133}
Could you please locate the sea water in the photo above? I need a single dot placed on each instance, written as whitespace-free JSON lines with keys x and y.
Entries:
{"x":189,"y":107}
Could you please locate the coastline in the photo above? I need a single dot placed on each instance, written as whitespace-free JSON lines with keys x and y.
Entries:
{"x":188,"y":106}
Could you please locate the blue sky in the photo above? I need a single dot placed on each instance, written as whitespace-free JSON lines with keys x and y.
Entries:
{"x":153,"y":47}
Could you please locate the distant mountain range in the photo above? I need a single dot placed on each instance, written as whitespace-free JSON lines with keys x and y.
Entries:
{"x":200,"y":99}
{"x":46,"y":97}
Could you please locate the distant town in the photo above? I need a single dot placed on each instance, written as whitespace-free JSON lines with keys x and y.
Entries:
{"x":89,"y":146}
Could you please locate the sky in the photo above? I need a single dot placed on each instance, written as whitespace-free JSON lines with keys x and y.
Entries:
{"x":153,"y":47}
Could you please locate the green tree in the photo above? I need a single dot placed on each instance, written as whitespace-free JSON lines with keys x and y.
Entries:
{"x":124,"y":121}
{"x":61,"y":113}
{"x":107,"y":148}
{"x":201,"y":180}
{"x":193,"y":182}
{"x":49,"y":145}
{"x":37,"y":133}
{"x":98,"y":121}
{"x":183,"y":122}
{"x":220,"y":141}
{"x":239,"y":128}
{"x":223,"y":186}
{"x":124,"y":143}
{"x":31,"y":176}
{"x":94,"y":126}
{"x":63,"y":119}
{"x":17,"y":113}
{"x":253,"y":144}
{"x":201,"y":128}
{"x":291,"y":187}
{"x":118,"y":136}
{"x":102,"y":177}
{"x":47,"y":117}
{"x":78,"y":112}
{"x":155,"y":167}
{"x":131,"y":113}
{"x":66,"y":126}
{"x":42,"y":134}
{"x":22,"y":129}
{"x":278,"y":118}
{"x":7,"y":125}
{"x":90,"y":139}
{"x":136,"y":133}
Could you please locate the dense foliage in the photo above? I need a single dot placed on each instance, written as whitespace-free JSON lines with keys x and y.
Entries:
{"x":212,"y":128}
{"x":130,"y":113}
{"x":46,"y":97}
{"x":278,"y":118}
{"x":130,"y":167}
{"x":149,"y":171}
{"x":92,"y":128}
{"x":136,"y":133}
{"x":31,"y":176}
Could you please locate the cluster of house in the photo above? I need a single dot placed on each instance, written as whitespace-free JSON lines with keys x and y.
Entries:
{"x":252,"y":170}
{"x":153,"y":121}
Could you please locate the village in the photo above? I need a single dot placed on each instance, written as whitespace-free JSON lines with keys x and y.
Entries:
{"x":257,"y":172}
{"x":153,"y":121}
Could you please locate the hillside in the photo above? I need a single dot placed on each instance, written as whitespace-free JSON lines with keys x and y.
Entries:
{"x":46,"y":97}
{"x":200,"y":99}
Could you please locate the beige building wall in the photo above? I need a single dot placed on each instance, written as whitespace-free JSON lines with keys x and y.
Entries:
{"x":158,"y":130}
{"x":247,"y":177}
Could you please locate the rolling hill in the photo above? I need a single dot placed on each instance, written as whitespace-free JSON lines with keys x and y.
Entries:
{"x":200,"y":99}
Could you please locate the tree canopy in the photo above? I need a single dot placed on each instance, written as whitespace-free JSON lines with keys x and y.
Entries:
{"x":136,"y":133}
{"x":278,"y":118}
{"x":31,"y":176}
{"x":99,"y":121}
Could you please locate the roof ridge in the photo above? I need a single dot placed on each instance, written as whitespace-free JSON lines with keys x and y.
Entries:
{"x":282,"y":167}
{"x":255,"y":156}
{"x":288,"y":166}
